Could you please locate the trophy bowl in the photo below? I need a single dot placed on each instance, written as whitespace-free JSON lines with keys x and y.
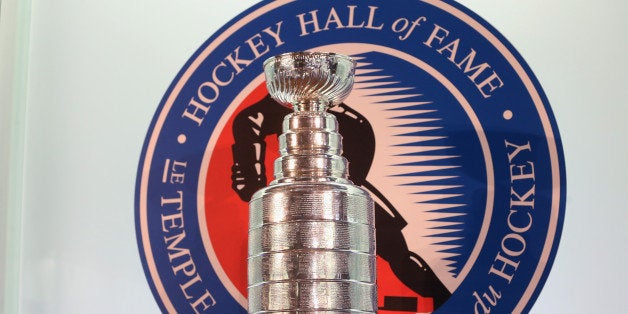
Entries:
{"x":318,"y":78}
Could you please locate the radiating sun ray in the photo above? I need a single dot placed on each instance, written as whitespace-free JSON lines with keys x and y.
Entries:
{"x":413,"y":163}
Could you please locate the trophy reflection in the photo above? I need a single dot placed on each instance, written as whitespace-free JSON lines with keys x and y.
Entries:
{"x":311,"y":230}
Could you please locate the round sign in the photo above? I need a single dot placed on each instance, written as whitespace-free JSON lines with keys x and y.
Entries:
{"x":446,"y":127}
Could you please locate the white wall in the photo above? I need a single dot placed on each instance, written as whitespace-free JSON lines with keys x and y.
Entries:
{"x":14,"y":30}
{"x":98,"y":69}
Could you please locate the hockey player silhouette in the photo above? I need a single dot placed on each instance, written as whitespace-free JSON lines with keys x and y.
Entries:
{"x":264,"y":118}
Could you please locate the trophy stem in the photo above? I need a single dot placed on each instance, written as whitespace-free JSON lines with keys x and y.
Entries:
{"x":311,"y":106}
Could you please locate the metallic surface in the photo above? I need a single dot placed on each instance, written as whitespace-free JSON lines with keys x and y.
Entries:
{"x":311,"y":231}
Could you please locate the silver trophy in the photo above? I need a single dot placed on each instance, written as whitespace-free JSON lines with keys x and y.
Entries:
{"x":311,"y":231}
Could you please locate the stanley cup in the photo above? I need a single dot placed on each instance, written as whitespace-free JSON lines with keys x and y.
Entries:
{"x":311,"y":231}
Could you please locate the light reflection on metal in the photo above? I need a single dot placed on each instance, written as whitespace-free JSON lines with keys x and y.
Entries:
{"x":311,"y":231}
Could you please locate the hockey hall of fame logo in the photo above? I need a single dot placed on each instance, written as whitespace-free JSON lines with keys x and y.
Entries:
{"x":446,"y":127}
